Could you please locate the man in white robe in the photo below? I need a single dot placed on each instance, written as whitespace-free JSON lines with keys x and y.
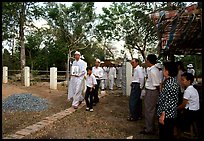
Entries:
{"x":104,"y":80}
{"x":76,"y":82}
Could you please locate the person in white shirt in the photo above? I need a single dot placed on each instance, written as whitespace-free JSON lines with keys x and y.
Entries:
{"x":76,"y":81}
{"x":152,"y":88}
{"x":90,"y":83}
{"x":112,"y":76}
{"x":98,"y":73}
{"x":135,"y":103}
{"x":104,"y":80}
{"x":190,"y":105}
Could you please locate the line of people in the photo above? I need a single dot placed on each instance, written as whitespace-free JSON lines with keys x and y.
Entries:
{"x":167,"y":92}
{"x":93,"y":78}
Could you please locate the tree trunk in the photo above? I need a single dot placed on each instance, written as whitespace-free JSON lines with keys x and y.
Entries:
{"x":21,"y":32}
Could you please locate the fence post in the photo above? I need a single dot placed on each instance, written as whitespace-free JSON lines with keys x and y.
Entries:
{"x":128,"y":77}
{"x":5,"y":74}
{"x":53,"y":78}
{"x":27,"y":76}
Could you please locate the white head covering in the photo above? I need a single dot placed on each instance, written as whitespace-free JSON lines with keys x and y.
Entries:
{"x":77,"y":53}
{"x":98,"y":60}
{"x":190,"y":66}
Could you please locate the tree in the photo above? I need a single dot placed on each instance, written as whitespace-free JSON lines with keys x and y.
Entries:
{"x":71,"y":26}
{"x":20,"y":15}
{"x":128,"y":21}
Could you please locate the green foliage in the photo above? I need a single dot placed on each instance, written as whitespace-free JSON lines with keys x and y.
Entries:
{"x":127,"y":21}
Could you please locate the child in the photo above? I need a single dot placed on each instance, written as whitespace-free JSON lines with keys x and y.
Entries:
{"x":189,"y":108}
{"x":90,"y":83}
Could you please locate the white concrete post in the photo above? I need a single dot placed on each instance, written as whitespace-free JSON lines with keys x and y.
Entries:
{"x":5,"y":74}
{"x":53,"y":78}
{"x":128,"y":78}
{"x":27,"y":76}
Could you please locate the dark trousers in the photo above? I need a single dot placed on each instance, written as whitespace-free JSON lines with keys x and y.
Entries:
{"x":166,"y":131}
{"x":135,"y":103}
{"x":89,"y":94}
{"x":96,"y":99}
{"x":185,"y":118}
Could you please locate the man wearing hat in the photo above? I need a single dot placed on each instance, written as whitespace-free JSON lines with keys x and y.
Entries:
{"x":190,"y":69}
{"x":78,"y":70}
{"x":98,"y":73}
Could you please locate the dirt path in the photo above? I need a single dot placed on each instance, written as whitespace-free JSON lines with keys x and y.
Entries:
{"x":108,"y":121}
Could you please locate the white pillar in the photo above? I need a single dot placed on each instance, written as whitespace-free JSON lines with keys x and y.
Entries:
{"x":53,"y":78}
{"x":128,"y":78}
{"x":27,"y":76}
{"x":5,"y":74}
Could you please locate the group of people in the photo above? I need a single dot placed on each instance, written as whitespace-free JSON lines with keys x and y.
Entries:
{"x":94,"y":77}
{"x":168,"y":92}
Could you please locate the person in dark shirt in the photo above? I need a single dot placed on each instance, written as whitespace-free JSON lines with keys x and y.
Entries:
{"x":167,"y":102}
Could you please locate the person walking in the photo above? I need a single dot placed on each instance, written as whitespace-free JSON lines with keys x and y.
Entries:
{"x":104,"y":80}
{"x":98,"y":73}
{"x":75,"y":89}
{"x":135,"y":102}
{"x":152,"y":88}
{"x":167,"y":103}
{"x":90,"y":83}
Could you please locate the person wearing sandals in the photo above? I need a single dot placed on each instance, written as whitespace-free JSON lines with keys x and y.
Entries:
{"x":135,"y":103}
{"x":90,"y":83}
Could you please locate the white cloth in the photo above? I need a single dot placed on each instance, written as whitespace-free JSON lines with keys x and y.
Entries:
{"x":91,"y":81}
{"x":104,"y":80}
{"x":153,"y":78}
{"x":191,"y":94}
{"x":111,"y":75}
{"x":76,"y":83}
{"x":138,"y":76}
{"x":98,"y":72}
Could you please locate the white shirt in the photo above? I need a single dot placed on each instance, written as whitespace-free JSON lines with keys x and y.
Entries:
{"x":138,"y":76}
{"x":191,"y":94}
{"x":112,"y":72}
{"x":97,"y":72}
{"x":153,"y":78}
{"x":91,"y":80}
{"x":105,"y":72}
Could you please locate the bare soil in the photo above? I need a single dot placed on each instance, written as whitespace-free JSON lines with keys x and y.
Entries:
{"x":108,"y":121}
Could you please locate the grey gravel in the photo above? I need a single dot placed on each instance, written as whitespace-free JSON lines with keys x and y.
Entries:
{"x":24,"y":102}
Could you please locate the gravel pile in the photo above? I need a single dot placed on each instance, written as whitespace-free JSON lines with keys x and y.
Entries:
{"x":24,"y":102}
